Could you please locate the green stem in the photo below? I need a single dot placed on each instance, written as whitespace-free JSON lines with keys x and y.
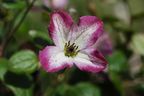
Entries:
{"x":10,"y":33}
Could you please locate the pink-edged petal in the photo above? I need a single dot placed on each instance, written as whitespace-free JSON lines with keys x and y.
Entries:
{"x":104,"y":44}
{"x":86,"y":33}
{"x":52,"y":59}
{"x":93,"y":62}
{"x":60,"y":24}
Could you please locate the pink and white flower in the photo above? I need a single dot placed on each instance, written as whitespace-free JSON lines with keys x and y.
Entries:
{"x":73,"y":44}
{"x":55,"y":4}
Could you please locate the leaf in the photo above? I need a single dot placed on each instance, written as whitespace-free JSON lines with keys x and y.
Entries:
{"x":122,"y":12}
{"x":104,"y":9}
{"x":18,"y":80}
{"x":20,"y":84}
{"x":117,"y":62}
{"x":33,"y":21}
{"x":115,"y":78}
{"x":17,"y":5}
{"x":62,"y":90}
{"x":21,"y":92}
{"x":84,"y":89}
{"x":136,"y":7}
{"x":80,"y":6}
{"x":23,"y":62}
{"x":3,"y":67}
{"x":117,"y":65}
{"x":138,"y":24}
{"x":137,"y":44}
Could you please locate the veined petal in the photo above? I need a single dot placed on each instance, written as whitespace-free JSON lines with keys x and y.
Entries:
{"x":59,"y":27}
{"x":52,"y":59}
{"x":91,"y":63}
{"x":86,"y":33}
{"x":104,"y":44}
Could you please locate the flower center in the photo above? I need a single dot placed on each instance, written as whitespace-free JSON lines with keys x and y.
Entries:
{"x":70,"y":50}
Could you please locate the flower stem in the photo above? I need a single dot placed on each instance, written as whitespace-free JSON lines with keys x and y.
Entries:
{"x":11,"y":32}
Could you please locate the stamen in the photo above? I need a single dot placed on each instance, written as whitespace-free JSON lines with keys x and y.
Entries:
{"x":68,"y":43}
{"x":71,"y":50}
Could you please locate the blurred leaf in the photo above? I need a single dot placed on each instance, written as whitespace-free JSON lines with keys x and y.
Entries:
{"x":138,"y":24}
{"x":20,"y":84}
{"x":18,"y":80}
{"x":117,"y":65}
{"x":136,"y":7}
{"x":117,"y":62}
{"x":137,"y":43}
{"x":45,"y":80}
{"x":104,"y":9}
{"x":115,"y":78}
{"x":33,"y":21}
{"x":17,"y":5}
{"x":121,"y":25}
{"x":38,"y":34}
{"x":23,"y":62}
{"x":80,"y":6}
{"x":21,"y":92}
{"x":84,"y":89}
{"x":135,"y":65}
{"x":122,"y":12}
{"x":140,"y":88}
{"x":62,"y":90}
{"x":3,"y":67}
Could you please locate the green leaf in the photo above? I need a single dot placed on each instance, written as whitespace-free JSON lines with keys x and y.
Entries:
{"x":23,"y":62}
{"x":115,"y":78}
{"x":117,"y":62}
{"x":62,"y":90}
{"x":138,"y":24}
{"x":20,"y":84}
{"x":21,"y":92}
{"x":3,"y":67}
{"x":80,"y":6}
{"x":84,"y":89}
{"x":17,"y":5}
{"x":117,"y":65}
{"x":136,"y":7}
{"x":137,"y":44}
{"x":18,"y":80}
{"x":104,"y":9}
{"x":29,"y":25}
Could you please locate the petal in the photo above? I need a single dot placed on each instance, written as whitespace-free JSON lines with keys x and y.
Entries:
{"x":104,"y":44}
{"x":86,"y":33}
{"x":59,"y":27}
{"x":90,"y":62}
{"x":53,"y":60}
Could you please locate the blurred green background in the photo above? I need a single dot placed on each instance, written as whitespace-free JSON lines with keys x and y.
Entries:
{"x":23,"y":32}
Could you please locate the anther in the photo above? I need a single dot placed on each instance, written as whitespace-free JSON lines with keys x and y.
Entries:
{"x":68,"y":43}
{"x":71,"y":50}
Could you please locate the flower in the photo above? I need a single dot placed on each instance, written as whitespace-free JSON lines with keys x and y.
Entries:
{"x":73,"y":44}
{"x":55,"y":4}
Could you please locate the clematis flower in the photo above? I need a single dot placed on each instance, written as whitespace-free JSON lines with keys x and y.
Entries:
{"x":73,"y":44}
{"x":55,"y":4}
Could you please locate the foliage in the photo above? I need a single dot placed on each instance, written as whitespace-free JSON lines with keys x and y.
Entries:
{"x":23,"y":32}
